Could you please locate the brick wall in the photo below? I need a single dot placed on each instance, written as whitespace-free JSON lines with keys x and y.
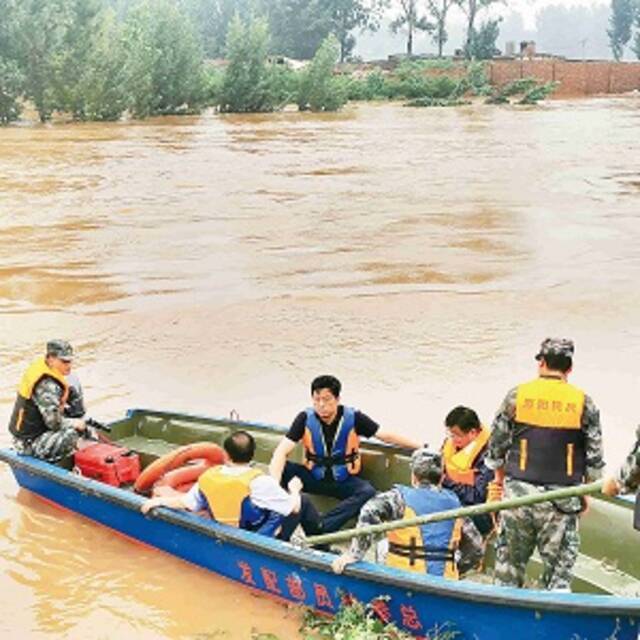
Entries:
{"x":576,"y":78}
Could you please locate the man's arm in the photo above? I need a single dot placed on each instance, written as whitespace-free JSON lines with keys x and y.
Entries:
{"x":396,"y":439}
{"x":501,"y":433}
{"x":593,"y":448}
{"x":628,"y":477}
{"x":381,"y":508}
{"x":279,"y":458}
{"x":47,"y":396}
{"x":173,"y":502}
{"x":477,"y":492}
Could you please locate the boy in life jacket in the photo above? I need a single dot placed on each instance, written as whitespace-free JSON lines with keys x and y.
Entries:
{"x":39,"y":424}
{"x":240,"y":495}
{"x":446,"y":548}
{"x":330,"y":434}
{"x":463,"y":454}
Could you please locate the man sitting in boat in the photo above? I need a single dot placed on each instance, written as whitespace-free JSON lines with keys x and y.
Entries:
{"x":330,"y":434}
{"x":445,"y":548}
{"x":240,"y":495}
{"x":38,"y":423}
{"x":463,"y":454}
{"x":546,"y":435}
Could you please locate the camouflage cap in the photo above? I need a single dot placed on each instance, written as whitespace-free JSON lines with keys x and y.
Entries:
{"x":60,"y":349}
{"x":426,"y":465}
{"x":556,"y":347}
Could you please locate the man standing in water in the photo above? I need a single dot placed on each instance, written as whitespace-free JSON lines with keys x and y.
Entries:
{"x":330,"y":434}
{"x":38,"y":423}
{"x":546,"y":435}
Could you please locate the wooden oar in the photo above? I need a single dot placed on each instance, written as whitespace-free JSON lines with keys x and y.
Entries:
{"x":477,"y":509}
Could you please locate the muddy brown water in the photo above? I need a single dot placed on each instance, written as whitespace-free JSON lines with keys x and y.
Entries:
{"x":210,"y":264}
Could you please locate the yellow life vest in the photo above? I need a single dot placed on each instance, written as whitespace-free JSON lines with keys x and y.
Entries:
{"x":427,"y":548}
{"x":548,"y":445}
{"x":225,"y":492}
{"x":26,"y":421}
{"x":458,"y":465}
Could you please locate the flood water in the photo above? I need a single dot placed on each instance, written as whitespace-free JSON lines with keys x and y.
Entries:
{"x":219,"y":263}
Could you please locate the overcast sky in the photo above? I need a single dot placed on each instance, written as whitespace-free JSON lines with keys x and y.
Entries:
{"x":528,"y":7}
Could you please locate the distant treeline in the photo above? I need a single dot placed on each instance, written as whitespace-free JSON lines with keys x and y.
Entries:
{"x":100,"y":59}
{"x":97,"y":59}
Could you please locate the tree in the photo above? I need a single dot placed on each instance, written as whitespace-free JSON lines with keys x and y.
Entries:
{"x":636,"y":44}
{"x":71,"y":62}
{"x":319,"y":89}
{"x":104,"y":82}
{"x":348,"y":15}
{"x":11,"y":78}
{"x":438,"y":9}
{"x":483,"y":42}
{"x":41,"y":27}
{"x":212,"y":18}
{"x":620,"y":24}
{"x":410,"y":21}
{"x":246,"y":86}
{"x":297,"y":27}
{"x":163,"y":69}
{"x":472,"y":8}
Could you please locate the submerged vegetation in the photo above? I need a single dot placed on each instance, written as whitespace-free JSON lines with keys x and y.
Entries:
{"x":357,"y":621}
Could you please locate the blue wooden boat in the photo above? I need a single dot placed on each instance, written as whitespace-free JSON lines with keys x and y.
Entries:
{"x":605,"y":605}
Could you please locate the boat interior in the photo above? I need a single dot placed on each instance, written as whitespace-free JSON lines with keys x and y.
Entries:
{"x":607,"y":561}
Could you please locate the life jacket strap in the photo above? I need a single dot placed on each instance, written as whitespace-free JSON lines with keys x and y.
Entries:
{"x":418,"y":552}
{"x":331,"y":461}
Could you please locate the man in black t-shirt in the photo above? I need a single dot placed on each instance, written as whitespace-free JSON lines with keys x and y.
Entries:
{"x":330,"y":434}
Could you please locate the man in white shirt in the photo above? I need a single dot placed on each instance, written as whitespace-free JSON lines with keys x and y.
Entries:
{"x":239,"y":494}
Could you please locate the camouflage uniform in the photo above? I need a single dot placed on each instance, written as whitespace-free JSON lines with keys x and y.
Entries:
{"x":390,"y":505}
{"x":552,"y":527}
{"x":629,"y":474}
{"x":61,"y":436}
{"x":75,"y":402}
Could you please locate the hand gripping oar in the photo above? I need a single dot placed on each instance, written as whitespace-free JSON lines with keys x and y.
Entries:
{"x":462,"y":512}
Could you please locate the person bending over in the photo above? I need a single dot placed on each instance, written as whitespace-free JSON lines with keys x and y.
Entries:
{"x":240,"y":495}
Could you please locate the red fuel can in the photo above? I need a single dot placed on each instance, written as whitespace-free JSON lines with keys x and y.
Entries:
{"x":108,"y":463}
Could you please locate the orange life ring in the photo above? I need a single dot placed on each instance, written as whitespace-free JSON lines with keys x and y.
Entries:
{"x":183,"y":478}
{"x":177,"y":458}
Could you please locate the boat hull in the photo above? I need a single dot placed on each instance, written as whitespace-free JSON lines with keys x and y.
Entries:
{"x":419,"y":604}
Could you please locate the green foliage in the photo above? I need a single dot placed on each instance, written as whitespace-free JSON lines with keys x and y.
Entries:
{"x":636,"y":44}
{"x":298,"y":27}
{"x":42,"y":26}
{"x":481,"y":44}
{"x":11,"y":77}
{"x":357,"y":621}
{"x":283,"y":85}
{"x":10,"y":89}
{"x":319,"y":89}
{"x":86,"y":71}
{"x":347,"y":15}
{"x":102,"y":83}
{"x":620,"y":24}
{"x":410,"y":20}
{"x":163,"y":60}
{"x":477,"y":78}
{"x":372,"y":87}
{"x":246,"y":86}
{"x":529,"y":90}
